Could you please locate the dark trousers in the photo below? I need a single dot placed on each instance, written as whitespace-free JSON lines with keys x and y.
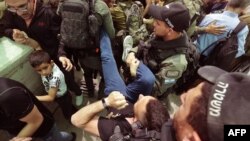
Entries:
{"x":69,"y":79}
{"x":65,"y":103}
{"x":89,"y":75}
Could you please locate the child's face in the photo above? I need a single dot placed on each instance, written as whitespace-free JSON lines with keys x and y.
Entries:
{"x":45,"y":69}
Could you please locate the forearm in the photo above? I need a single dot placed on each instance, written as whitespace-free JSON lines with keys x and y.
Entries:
{"x":84,"y":115}
{"x":200,"y":30}
{"x":34,"y":44}
{"x":45,"y":98}
{"x":29,"y":129}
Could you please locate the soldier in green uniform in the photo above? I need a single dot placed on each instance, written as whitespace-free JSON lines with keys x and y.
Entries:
{"x":166,"y":56}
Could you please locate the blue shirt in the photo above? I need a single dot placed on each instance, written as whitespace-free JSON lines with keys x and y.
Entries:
{"x":228,"y":19}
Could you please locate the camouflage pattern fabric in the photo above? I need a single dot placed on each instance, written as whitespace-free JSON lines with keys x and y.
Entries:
{"x":119,"y":17}
{"x":194,"y":6}
{"x":135,"y":25}
{"x":134,"y":22}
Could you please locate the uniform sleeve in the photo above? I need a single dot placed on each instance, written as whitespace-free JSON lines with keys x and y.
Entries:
{"x":16,"y":103}
{"x":104,"y":11}
{"x":171,"y":70}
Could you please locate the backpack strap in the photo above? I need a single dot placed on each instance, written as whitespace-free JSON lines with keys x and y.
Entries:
{"x":242,"y":64}
{"x":239,"y":27}
{"x":91,"y":7}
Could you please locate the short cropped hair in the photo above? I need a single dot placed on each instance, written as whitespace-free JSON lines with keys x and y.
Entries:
{"x":156,"y":115}
{"x":38,"y":57}
{"x":238,"y":3}
{"x":198,"y":112}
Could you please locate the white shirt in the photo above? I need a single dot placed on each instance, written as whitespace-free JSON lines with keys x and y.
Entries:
{"x":55,"y":79}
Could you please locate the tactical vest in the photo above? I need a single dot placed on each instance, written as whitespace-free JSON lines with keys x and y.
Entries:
{"x":156,"y":51}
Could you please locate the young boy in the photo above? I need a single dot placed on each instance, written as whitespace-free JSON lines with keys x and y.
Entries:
{"x":53,"y":81}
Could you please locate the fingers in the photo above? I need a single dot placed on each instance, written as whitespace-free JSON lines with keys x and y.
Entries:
{"x":120,"y":104}
{"x":136,"y":61}
{"x":117,"y":100}
{"x":215,"y":29}
{"x":21,"y":139}
{"x":67,"y":65}
{"x":130,"y":58}
{"x":219,"y":30}
{"x":20,"y":40}
{"x":19,"y":36}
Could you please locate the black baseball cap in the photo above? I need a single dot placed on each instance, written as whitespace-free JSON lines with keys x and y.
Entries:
{"x":229,"y":102}
{"x":175,"y":15}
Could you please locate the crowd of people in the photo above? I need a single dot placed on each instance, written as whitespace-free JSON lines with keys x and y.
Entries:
{"x":135,"y":74}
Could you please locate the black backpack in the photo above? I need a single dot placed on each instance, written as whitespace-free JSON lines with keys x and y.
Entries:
{"x":140,"y":133}
{"x":224,"y":50}
{"x":242,"y":64}
{"x":80,"y":24}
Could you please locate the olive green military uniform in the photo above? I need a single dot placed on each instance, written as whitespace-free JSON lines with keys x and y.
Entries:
{"x":171,"y":68}
{"x":2,"y":8}
{"x":102,"y":8}
{"x":194,"y":6}
{"x":119,"y":17}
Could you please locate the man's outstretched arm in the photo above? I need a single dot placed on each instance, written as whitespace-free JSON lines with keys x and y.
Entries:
{"x":87,"y":119}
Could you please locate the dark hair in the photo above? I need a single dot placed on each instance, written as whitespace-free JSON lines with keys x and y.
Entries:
{"x":156,"y":115}
{"x":197,"y":117}
{"x":238,"y":3}
{"x":38,"y":57}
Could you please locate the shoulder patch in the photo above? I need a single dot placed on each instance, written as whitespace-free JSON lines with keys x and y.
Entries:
{"x":172,"y":73}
